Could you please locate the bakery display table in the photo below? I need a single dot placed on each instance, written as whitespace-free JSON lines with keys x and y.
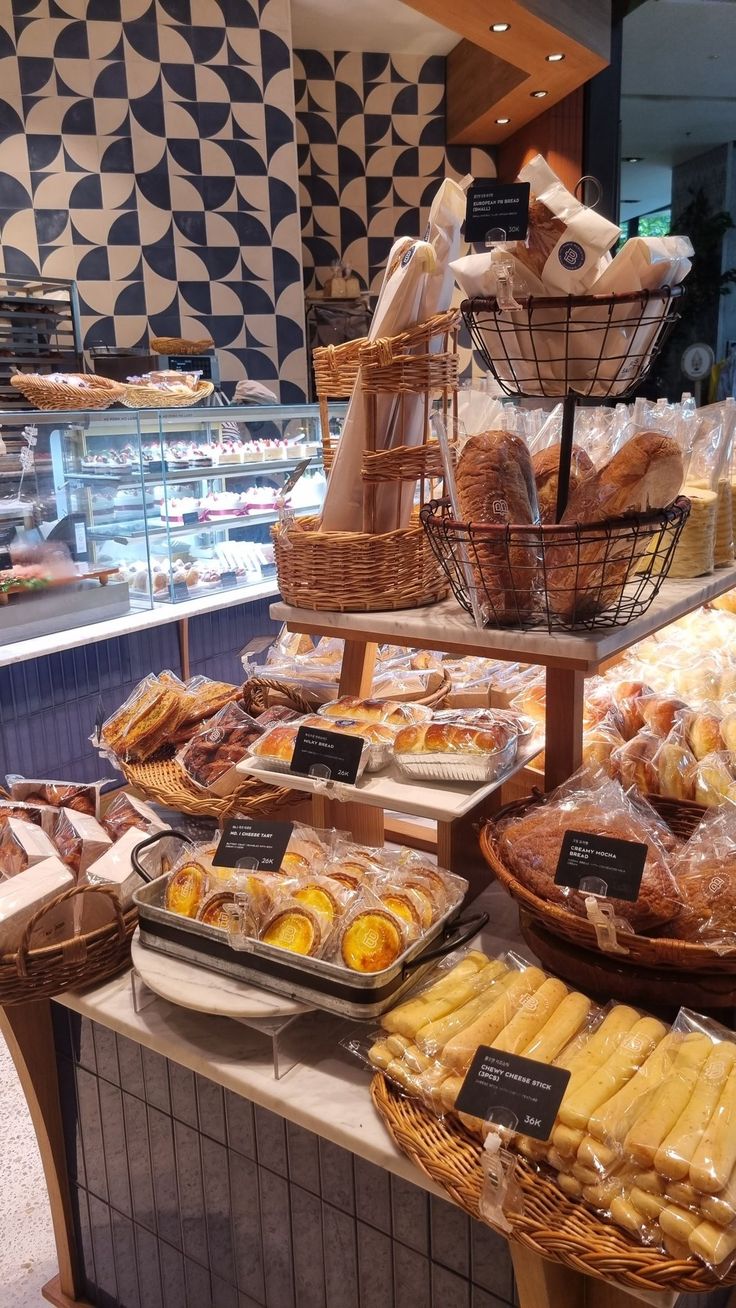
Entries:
{"x":183,"y":1175}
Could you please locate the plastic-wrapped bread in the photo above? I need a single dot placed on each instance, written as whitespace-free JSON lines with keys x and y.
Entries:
{"x":610,"y":1122}
{"x":633,"y":1050}
{"x":447,"y":751}
{"x":459,"y":1050}
{"x":546,"y":465}
{"x":449,"y":992}
{"x":533,"y":1013}
{"x":673,"y":1156}
{"x":668,"y":1100}
{"x":715,"y":1157}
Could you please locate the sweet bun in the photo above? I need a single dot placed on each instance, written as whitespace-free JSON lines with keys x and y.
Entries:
{"x":660,"y":712}
{"x":448,"y":738}
{"x":633,"y":763}
{"x":675,"y":767}
{"x":704,"y":734}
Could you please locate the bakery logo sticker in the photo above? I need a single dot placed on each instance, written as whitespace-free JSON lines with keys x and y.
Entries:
{"x":518,"y":1093}
{"x":716,"y":885}
{"x":407,"y":258}
{"x":571,"y":255}
{"x":600,"y":865}
{"x":327,"y":754}
{"x":253,"y":846}
{"x":500,"y":507}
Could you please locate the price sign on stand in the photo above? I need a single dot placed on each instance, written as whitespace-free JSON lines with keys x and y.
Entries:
{"x":600,"y":865}
{"x":512,"y":1091}
{"x":249,"y":845}
{"x":497,"y":211}
{"x":327,"y":754}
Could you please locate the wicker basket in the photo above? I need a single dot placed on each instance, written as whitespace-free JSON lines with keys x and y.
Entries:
{"x":550,"y":1225}
{"x":149,"y":397}
{"x":261,"y":693}
{"x":82,"y":960}
{"x":164,"y":781}
{"x":99,"y":393}
{"x":177,"y":345}
{"x":642,"y":951}
{"x":355,"y":572}
{"x":336,"y":370}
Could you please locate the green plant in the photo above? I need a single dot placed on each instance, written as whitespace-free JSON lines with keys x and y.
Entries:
{"x":706,"y":228}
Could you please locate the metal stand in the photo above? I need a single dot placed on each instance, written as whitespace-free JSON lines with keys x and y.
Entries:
{"x":567,"y":434}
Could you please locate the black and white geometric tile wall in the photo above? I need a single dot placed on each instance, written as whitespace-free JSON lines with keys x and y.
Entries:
{"x":371,"y":147}
{"x":147,"y":150}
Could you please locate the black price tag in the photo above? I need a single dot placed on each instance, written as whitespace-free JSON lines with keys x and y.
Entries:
{"x":327,"y":754}
{"x":179,"y":590}
{"x":5,"y":560}
{"x":600,"y":865}
{"x":229,"y":578}
{"x":497,"y":211}
{"x":512,"y":1091}
{"x":253,"y":845}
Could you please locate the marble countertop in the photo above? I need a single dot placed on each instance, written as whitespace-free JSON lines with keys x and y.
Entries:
{"x":327,"y":1092}
{"x":446,"y":626}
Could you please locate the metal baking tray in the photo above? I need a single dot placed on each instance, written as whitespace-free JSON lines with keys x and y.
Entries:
{"x":313,"y":981}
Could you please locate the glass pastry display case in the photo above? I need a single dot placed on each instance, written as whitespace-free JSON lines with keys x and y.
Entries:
{"x":160,"y":505}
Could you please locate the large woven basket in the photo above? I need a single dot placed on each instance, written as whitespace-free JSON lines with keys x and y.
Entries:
{"x":148,"y":397}
{"x":643,"y":951}
{"x":99,"y":393}
{"x":163,"y":781}
{"x":336,"y":370}
{"x":354,"y":571}
{"x":81,"y":960}
{"x":265,"y":692}
{"x":177,"y":345}
{"x":551,"y":1225}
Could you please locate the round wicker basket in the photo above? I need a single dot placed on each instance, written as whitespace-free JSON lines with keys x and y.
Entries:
{"x":163,"y":781}
{"x":149,"y":397}
{"x":550,"y":1225}
{"x":355,"y":571}
{"x":81,"y":960}
{"x":177,"y":345}
{"x":642,"y":951}
{"x":99,"y":393}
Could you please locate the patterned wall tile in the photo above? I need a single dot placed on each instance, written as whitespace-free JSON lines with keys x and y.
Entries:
{"x":147,"y":149}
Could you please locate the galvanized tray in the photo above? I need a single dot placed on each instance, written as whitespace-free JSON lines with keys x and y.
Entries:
{"x":311,"y":980}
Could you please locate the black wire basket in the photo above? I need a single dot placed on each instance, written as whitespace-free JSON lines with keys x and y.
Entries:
{"x":587,"y":345}
{"x":563,"y":578}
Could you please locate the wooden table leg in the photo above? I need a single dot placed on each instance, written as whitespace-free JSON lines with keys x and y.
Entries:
{"x":29,"y":1035}
{"x":358,"y":662}
{"x":563,"y":740}
{"x":183,"y":635}
{"x":458,"y":847}
{"x":542,"y":1284}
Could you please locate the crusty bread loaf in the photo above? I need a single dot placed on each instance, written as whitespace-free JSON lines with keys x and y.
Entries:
{"x":546,"y":465}
{"x":495,"y":484}
{"x":585,"y":578}
{"x":450,"y":738}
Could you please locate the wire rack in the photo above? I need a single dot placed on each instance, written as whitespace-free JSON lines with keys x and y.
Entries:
{"x":562,"y":578}
{"x":589,"y":345}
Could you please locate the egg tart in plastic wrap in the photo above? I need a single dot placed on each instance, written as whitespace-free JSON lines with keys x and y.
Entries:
{"x":186,"y":889}
{"x":294,"y":927}
{"x":372,"y":939}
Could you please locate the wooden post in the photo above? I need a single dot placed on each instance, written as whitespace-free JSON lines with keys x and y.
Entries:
{"x":183,"y":634}
{"x":29,"y":1035}
{"x":563,"y":726}
{"x":358,"y":662}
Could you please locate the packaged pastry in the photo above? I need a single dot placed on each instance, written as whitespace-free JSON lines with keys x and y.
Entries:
{"x":295,"y":927}
{"x":79,"y":839}
{"x":714,"y":779}
{"x":150,"y":716}
{"x":520,"y":724}
{"x":546,"y":465}
{"x":599,"y":743}
{"x":530,"y":846}
{"x":186,"y":887}
{"x":22,"y":844}
{"x":26,"y":812}
{"x":451,"y":752}
{"x":372,"y":938}
{"x":21,"y":896}
{"x":82,"y":796}
{"x":705,"y":872}
{"x":210,"y":756}
{"x":275,"y":748}
{"x":126,"y":812}
{"x":406,"y":685}
{"x":277,"y":713}
{"x":204,"y":698}
{"x":675,"y":767}
{"x":386,"y":711}
{"x":114,"y":868}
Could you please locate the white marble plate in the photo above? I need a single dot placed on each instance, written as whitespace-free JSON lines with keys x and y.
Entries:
{"x":205,"y":991}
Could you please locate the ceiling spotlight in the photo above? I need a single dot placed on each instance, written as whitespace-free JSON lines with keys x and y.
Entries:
{"x":500,"y":27}
{"x":538,"y":95}
{"x":502,"y":121}
{"x":632,"y":158}
{"x":554,"y":58}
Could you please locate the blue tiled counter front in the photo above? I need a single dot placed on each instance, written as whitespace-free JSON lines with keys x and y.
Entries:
{"x":49,"y":706}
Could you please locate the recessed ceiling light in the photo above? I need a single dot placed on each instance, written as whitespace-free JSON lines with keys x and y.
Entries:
{"x":632,"y":158}
{"x":500,"y":27}
{"x":538,"y":95}
{"x":502,"y":121}
{"x":554,"y":58}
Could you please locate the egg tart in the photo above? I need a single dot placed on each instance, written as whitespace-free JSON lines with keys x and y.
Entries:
{"x":372,"y":941}
{"x":218,"y":910}
{"x":347,"y":874}
{"x":185,"y":889}
{"x":403,"y":906}
{"x":320,"y":900}
{"x":295,"y":864}
{"x":296,"y":929}
{"x":425,"y":901}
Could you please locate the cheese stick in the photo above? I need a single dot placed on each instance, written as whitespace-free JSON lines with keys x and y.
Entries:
{"x":601,"y":1195}
{"x":585,"y":1175}
{"x":668,"y":1101}
{"x":554,"y":1160}
{"x":648,"y":1204}
{"x":567,"y":1140}
{"x":715,"y":1156}
{"x":678,"y":1223}
{"x":380,"y":1055}
{"x":683,"y":1194}
{"x":569,"y":1186}
{"x":591,"y":1153}
{"x":647,"y":1181}
{"x":712,"y":1243}
{"x":447,"y":993}
{"x":459,"y":1050}
{"x":534,"y":1012}
{"x":433,"y":1036}
{"x":721,"y":1208}
{"x":634,"y":1049}
{"x":673,"y":1157}
{"x":611,"y":1121}
{"x":561,"y":1028}
{"x":676,"y":1248}
{"x":397,"y":1044}
{"x":417,"y":1061}
{"x":625,"y":1214}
